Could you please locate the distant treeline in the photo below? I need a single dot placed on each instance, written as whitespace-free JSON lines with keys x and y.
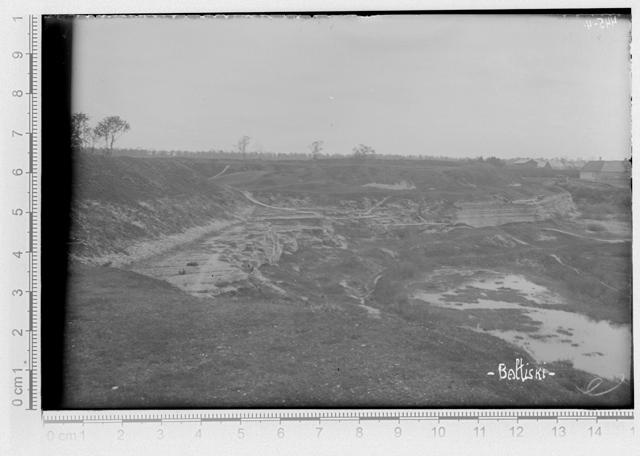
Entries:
{"x":235,"y":155}
{"x":272,"y":156}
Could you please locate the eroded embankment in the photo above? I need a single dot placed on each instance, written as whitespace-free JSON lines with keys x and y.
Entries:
{"x":499,"y":211}
{"x":125,"y":209}
{"x":137,"y":212}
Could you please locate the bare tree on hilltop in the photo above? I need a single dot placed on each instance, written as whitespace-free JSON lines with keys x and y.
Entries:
{"x":111,"y":128}
{"x":362,"y":151}
{"x":242,"y":145}
{"x":82,"y":134}
{"x":316,"y":149}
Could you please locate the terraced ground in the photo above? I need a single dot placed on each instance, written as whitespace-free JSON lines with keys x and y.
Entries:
{"x":307,"y":286}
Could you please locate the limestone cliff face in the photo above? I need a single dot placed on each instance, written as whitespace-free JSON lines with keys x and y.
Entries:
{"x":497,"y":212}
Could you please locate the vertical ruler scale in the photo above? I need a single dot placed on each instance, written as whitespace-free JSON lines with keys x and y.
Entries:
{"x":34,"y":225}
{"x":80,"y":432}
{"x":21,"y":216}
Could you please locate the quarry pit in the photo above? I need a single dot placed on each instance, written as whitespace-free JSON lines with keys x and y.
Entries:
{"x":523,"y":267}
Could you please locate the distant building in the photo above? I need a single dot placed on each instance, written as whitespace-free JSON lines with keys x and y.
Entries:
{"x":615,"y":173}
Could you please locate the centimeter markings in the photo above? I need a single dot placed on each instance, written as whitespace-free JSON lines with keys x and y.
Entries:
{"x":33,"y":34}
{"x":328,"y":415}
{"x":171,"y":416}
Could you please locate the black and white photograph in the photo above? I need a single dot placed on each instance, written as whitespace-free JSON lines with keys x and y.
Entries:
{"x":347,"y":211}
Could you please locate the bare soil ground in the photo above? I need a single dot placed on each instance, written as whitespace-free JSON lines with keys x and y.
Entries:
{"x":303,"y":292}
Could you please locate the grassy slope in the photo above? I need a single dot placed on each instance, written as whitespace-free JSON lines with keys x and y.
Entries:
{"x":126,"y":179}
{"x":163,"y":348}
{"x":119,"y":201}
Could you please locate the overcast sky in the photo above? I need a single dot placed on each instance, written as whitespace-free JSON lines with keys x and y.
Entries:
{"x":463,"y":85}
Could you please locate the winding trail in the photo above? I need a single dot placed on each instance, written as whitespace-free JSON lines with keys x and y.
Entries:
{"x":250,"y":197}
{"x":220,"y":173}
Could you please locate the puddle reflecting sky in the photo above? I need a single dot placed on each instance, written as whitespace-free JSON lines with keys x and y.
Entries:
{"x":598,"y":347}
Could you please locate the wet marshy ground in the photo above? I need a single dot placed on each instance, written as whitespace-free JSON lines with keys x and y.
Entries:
{"x":546,"y":333}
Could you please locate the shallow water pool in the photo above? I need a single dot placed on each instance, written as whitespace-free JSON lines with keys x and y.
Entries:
{"x":597,"y":347}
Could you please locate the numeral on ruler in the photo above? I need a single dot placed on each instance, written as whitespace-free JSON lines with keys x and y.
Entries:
{"x":23,"y":97}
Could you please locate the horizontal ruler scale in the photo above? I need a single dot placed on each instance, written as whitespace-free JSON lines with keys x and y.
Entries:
{"x":391,"y":415}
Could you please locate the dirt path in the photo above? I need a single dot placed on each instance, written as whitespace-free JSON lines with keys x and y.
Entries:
{"x":220,"y":173}
{"x":250,"y":197}
{"x":148,"y":249}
